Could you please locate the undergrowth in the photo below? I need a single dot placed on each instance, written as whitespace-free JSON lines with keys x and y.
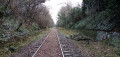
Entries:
{"x":89,"y":33}
{"x":66,"y":32}
{"x":9,"y":47}
{"x":94,"y":49}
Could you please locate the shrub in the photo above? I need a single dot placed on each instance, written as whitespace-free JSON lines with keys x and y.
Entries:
{"x":12,"y":48}
{"x":89,"y":33}
{"x":117,"y":50}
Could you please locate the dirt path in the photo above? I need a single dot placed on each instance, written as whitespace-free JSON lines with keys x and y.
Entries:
{"x":51,"y":47}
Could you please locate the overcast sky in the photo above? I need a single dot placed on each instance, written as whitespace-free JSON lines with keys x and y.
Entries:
{"x":55,"y":5}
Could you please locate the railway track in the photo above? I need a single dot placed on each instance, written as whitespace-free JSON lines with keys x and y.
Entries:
{"x":40,"y":48}
{"x":65,"y":51}
{"x":53,"y":44}
{"x":41,"y":45}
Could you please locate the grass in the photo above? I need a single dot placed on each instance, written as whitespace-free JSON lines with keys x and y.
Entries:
{"x":94,"y":49}
{"x":17,"y":44}
{"x":89,"y":33}
{"x":67,"y":32}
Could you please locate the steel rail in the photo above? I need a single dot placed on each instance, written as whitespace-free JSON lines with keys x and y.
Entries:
{"x":41,"y":45}
{"x":60,"y":45}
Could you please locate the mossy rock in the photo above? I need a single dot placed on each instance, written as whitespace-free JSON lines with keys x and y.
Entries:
{"x":12,"y":49}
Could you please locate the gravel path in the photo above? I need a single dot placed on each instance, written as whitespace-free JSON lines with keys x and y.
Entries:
{"x":50,"y":47}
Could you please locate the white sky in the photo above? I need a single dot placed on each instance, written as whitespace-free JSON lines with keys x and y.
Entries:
{"x":55,"y":5}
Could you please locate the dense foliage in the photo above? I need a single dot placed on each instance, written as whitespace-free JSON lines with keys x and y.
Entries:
{"x":20,"y":17}
{"x":102,"y":16}
{"x":67,"y":18}
{"x":98,"y":15}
